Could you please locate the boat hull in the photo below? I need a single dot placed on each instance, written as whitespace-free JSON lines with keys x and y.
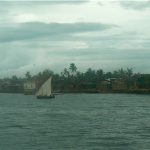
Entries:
{"x":45,"y":97}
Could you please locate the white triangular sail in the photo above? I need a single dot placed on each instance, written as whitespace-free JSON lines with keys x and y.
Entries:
{"x":45,"y":89}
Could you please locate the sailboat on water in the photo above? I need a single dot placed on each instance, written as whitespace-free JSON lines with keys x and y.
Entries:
{"x":45,"y":90}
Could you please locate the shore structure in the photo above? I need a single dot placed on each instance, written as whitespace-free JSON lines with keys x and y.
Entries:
{"x":29,"y":87}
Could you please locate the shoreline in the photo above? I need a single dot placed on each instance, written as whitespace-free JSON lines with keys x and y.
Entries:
{"x":90,"y":91}
{"x":131,"y":91}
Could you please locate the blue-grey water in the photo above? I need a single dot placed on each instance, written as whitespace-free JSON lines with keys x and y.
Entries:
{"x":75,"y":122}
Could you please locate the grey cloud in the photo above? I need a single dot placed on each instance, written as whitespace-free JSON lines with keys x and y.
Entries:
{"x":98,"y":54}
{"x":100,"y":3}
{"x":26,"y":31}
{"x":39,"y":2}
{"x":67,"y":1}
{"x":137,"y":5}
{"x":57,"y":44}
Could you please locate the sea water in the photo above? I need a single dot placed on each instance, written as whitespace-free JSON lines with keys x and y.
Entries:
{"x":75,"y":122}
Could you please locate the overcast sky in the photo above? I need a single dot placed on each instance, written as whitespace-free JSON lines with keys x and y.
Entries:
{"x":35,"y":35}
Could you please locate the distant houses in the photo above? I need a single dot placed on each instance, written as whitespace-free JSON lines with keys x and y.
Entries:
{"x":80,"y":83}
{"x":105,"y":85}
{"x":113,"y":84}
{"x":7,"y":87}
{"x":119,"y":85}
{"x":29,"y":87}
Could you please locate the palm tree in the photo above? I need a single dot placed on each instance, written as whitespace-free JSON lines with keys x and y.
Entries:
{"x":73,"y":68}
{"x":28,"y":75}
{"x":100,"y":74}
{"x":14,"y":79}
{"x":129,"y":74}
{"x":65,"y":73}
{"x":90,"y":75}
{"x":122,"y":73}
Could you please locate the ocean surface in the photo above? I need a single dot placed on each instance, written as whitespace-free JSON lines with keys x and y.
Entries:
{"x":75,"y":122}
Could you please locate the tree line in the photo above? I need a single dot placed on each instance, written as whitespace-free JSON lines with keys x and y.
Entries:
{"x":72,"y":78}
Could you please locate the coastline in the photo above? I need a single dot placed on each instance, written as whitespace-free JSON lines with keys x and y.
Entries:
{"x":137,"y":91}
{"x":90,"y":91}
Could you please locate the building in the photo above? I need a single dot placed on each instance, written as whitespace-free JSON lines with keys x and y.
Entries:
{"x":118,"y":85}
{"x":11,"y":88}
{"x":29,"y":87}
{"x":105,"y":85}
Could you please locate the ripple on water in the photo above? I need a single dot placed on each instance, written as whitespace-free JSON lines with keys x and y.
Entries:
{"x":75,"y":122}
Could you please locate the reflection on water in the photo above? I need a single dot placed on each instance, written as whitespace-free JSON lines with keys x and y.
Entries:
{"x":75,"y":122}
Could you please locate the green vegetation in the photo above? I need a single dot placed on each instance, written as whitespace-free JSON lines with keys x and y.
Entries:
{"x":70,"y":79}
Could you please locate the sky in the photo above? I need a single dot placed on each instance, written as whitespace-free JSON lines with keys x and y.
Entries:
{"x":37,"y":35}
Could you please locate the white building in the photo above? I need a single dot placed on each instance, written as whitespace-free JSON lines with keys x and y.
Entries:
{"x":30,"y":87}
